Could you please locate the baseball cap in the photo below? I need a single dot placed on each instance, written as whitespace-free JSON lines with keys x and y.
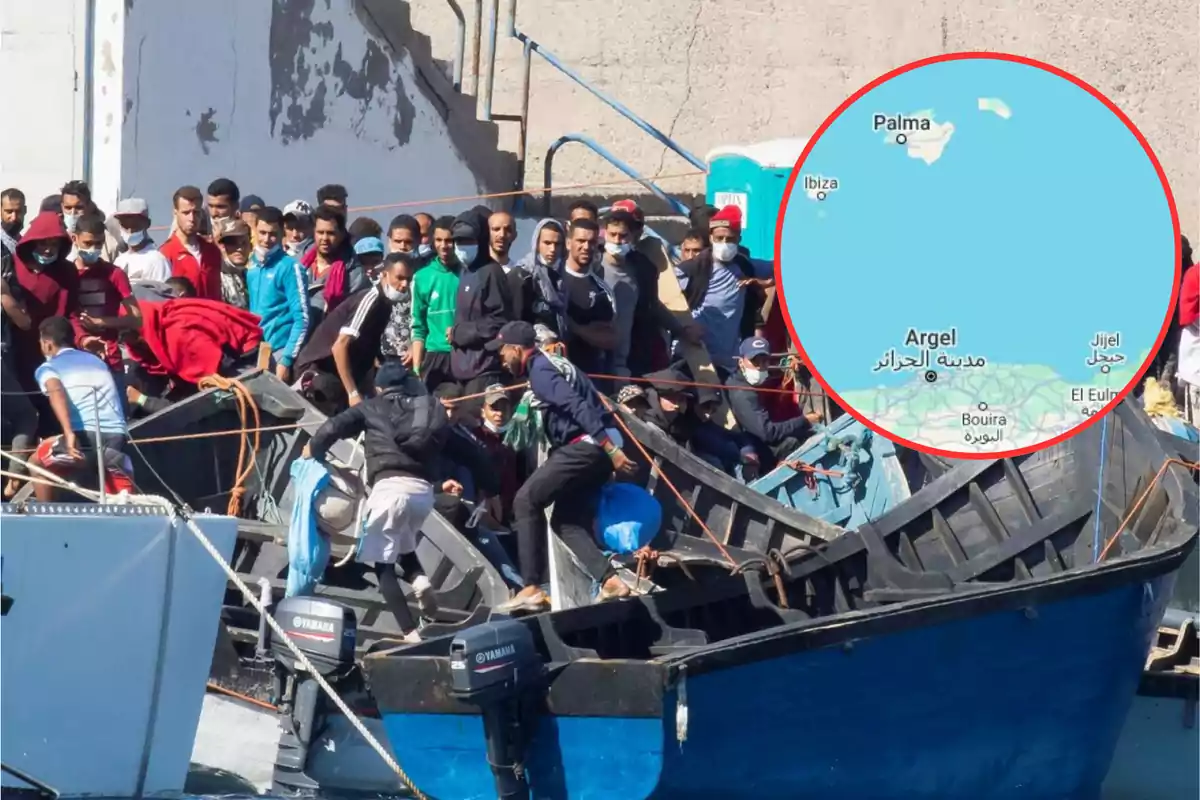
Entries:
{"x":234,"y":227}
{"x":368,"y":244}
{"x":463,"y":230}
{"x":495,"y":393}
{"x":132,"y":207}
{"x":629,"y":207}
{"x":517,"y":332}
{"x":251,"y":202}
{"x":391,"y":373}
{"x":754,"y":346}
{"x":297,"y":208}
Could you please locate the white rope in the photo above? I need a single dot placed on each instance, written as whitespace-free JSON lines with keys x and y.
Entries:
{"x":276,"y":628}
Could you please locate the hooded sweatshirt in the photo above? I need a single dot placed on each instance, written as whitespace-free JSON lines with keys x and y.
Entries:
{"x":549,"y":306}
{"x":49,"y":291}
{"x":481,"y":307}
{"x":434,"y":291}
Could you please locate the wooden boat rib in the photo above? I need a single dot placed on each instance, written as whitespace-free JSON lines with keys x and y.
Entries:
{"x":978,"y":600}
{"x":200,"y":471}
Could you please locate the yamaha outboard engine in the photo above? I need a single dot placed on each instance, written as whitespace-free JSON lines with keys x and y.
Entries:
{"x":496,"y":666}
{"x":325,"y":632}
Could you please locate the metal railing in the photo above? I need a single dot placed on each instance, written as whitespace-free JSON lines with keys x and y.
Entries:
{"x":601,"y":151}
{"x":460,"y":48}
{"x":485,"y":94}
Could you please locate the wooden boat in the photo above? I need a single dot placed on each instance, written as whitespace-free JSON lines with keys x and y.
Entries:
{"x":843,"y":474}
{"x":953,"y":643}
{"x":724,"y":525}
{"x":202,"y":472}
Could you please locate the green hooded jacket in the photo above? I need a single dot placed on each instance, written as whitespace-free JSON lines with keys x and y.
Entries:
{"x":434,"y":290}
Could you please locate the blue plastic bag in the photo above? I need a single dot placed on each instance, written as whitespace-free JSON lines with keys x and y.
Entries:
{"x":628,"y":518}
{"x":308,"y":549}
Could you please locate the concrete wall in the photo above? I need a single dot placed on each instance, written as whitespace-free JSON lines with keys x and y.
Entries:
{"x":280,"y":95}
{"x":716,"y":72}
{"x":40,"y":58}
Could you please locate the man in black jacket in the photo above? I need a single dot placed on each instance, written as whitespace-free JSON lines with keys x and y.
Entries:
{"x":584,"y":451}
{"x":405,"y":428}
{"x":772,"y":440}
{"x":482,"y":306}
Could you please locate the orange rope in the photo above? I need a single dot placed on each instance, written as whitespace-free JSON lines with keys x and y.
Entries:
{"x":650,"y":460}
{"x":247,"y":452}
{"x":245,"y":698}
{"x":696,"y":384}
{"x":1137,"y":505}
{"x":800,"y":466}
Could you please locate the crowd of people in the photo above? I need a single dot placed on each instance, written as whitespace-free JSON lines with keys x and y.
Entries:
{"x":448,"y":355}
{"x":107,"y":317}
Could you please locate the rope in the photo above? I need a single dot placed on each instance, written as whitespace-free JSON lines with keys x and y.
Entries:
{"x":217,"y":688}
{"x":181,"y":513}
{"x":661,"y":474}
{"x":1137,"y":505}
{"x":247,"y":453}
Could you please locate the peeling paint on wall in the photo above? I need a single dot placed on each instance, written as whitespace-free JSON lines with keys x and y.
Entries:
{"x":206,"y":130}
{"x":309,"y":73}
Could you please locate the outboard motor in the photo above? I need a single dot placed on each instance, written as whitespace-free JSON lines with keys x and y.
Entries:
{"x":496,"y":666}
{"x":326,"y":632}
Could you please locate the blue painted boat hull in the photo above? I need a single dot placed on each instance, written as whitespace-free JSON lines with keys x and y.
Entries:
{"x":1010,"y":703}
{"x":859,"y":476}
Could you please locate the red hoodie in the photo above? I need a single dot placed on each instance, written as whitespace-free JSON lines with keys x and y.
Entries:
{"x":49,"y":291}
{"x":204,"y":273}
{"x":188,"y":337}
{"x":1189,"y":297}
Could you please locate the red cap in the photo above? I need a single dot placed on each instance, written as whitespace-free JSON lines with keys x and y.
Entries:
{"x":629,"y":207}
{"x":728,"y":217}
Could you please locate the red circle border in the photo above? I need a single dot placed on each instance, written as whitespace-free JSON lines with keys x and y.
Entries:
{"x":938,"y":59}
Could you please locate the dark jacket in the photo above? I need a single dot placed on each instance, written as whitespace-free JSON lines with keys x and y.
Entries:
{"x":753,"y":419}
{"x":699,"y":272}
{"x":481,"y":307}
{"x":650,"y":316}
{"x":572,"y":405}
{"x":405,"y":432}
{"x":701,"y":436}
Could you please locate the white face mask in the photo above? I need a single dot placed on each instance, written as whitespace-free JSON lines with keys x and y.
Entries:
{"x":466,"y":253}
{"x":617,"y":250}
{"x":724,"y":251}
{"x":297,"y":249}
{"x":391,"y":292}
{"x":133,"y":238}
{"x":263,"y":253}
{"x":494,"y":428}
{"x":755,"y":376}
{"x":70,"y":221}
{"x":424,"y":250}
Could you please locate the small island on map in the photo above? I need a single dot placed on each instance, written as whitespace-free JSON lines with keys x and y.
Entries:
{"x":996,"y":106}
{"x":918,"y":133}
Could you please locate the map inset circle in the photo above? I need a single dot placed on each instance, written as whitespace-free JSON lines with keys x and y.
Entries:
{"x":977,"y":255}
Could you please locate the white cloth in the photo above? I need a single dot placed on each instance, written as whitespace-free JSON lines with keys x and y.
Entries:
{"x":396,"y":510}
{"x":146,"y":264}
{"x":1189,"y":354}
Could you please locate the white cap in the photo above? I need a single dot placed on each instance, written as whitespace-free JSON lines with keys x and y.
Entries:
{"x":132,"y":207}
{"x":297,"y":208}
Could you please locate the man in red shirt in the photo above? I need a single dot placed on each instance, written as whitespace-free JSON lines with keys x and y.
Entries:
{"x":192,"y":256}
{"x":106,"y":302}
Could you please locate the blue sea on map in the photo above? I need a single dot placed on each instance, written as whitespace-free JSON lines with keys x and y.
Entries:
{"x":1029,"y":234}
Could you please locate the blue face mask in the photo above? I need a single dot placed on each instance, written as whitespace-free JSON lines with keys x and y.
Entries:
{"x":90,"y":256}
{"x":45,"y":260}
{"x":424,"y":250}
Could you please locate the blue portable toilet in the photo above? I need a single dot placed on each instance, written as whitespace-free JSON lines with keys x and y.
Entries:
{"x":753,"y":178}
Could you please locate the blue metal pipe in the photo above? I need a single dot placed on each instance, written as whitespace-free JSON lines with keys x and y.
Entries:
{"x":461,"y":48}
{"x":615,"y":104}
{"x":493,"y":22}
{"x":603,"y":152}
